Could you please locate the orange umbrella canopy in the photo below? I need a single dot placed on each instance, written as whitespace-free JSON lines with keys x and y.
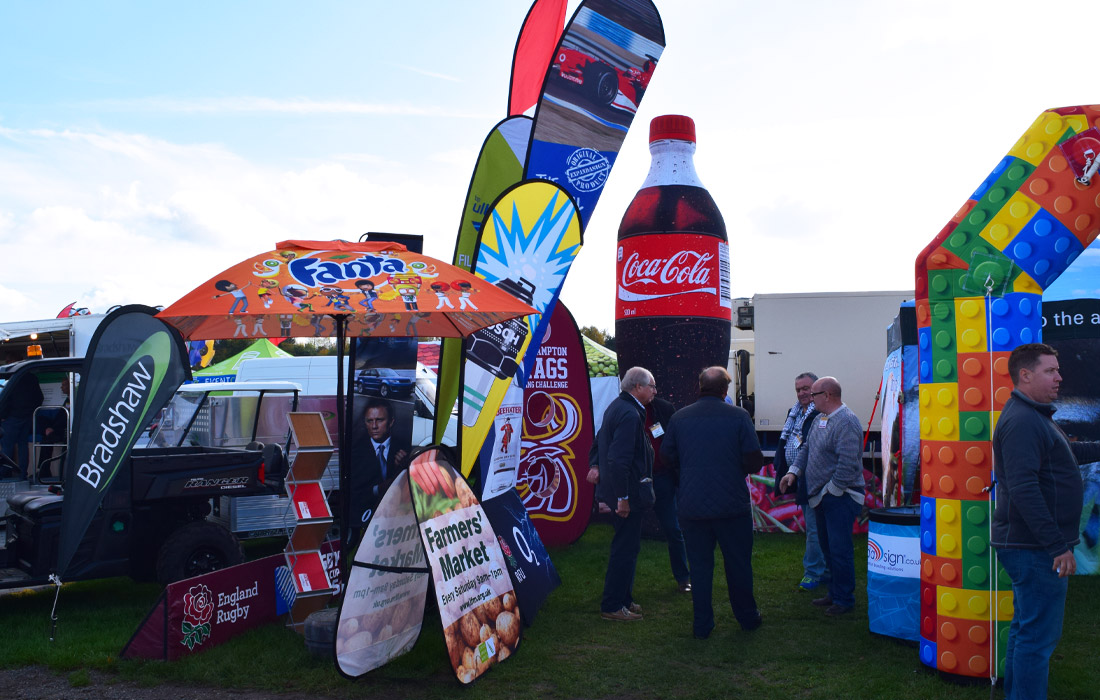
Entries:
{"x":382,"y":289}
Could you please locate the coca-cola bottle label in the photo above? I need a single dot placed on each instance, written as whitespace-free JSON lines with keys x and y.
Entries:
{"x":678,"y":274}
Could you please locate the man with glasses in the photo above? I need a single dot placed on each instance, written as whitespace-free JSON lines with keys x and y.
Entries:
{"x":795,"y":432}
{"x":833,"y":471}
{"x":625,"y":458}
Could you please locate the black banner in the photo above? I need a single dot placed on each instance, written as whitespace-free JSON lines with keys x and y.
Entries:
{"x":1070,"y":319}
{"x":135,"y":362}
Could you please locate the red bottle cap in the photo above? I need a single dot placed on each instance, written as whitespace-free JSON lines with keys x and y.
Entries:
{"x":672,"y":126}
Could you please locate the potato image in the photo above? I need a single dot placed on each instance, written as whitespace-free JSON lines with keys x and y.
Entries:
{"x":466,"y":674}
{"x":349,"y":627}
{"x":361,"y":640}
{"x":470,"y":629}
{"x":386,"y":632}
{"x":484,"y":632}
{"x":508,"y":600}
{"x":401,"y":614}
{"x":468,"y":657}
{"x":487,"y":612}
{"x":503,"y":652}
{"x":455,"y":645}
{"x":507,"y":627}
{"x":466,"y":497}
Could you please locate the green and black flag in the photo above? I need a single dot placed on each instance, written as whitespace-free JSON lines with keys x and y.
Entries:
{"x":135,"y":362}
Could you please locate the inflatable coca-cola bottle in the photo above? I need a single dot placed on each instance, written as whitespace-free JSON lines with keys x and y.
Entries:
{"x":672,"y":306}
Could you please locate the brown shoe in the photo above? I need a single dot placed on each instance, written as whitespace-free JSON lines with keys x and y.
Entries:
{"x":621,"y":615}
{"x":685,"y":587}
{"x":823,"y":602}
{"x":635,"y":608}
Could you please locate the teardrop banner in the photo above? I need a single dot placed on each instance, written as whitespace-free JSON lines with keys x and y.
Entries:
{"x":499,"y":166}
{"x":557,"y":435}
{"x":528,"y":243}
{"x":599,"y":73}
{"x":534,"y":50}
{"x":429,"y":523}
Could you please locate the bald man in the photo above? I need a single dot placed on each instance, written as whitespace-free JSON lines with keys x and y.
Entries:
{"x":832,"y":466}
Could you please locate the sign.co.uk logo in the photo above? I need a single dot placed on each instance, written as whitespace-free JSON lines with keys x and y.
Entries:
{"x":876,"y":553}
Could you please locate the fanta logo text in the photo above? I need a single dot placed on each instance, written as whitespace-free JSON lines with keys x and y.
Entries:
{"x":312,"y":272}
{"x":687,"y":267}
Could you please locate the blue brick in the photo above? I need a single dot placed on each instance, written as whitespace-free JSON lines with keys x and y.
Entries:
{"x":928,"y":525}
{"x":924,"y":343}
{"x":1016,"y":319}
{"x":927,"y":652}
{"x":991,"y":178}
{"x":1044,"y":248}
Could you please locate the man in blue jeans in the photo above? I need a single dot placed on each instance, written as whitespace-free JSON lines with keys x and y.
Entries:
{"x":796,"y":430}
{"x":833,"y":470}
{"x":1039,"y":495}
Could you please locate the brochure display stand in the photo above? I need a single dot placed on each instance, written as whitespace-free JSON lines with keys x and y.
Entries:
{"x":313,"y":518}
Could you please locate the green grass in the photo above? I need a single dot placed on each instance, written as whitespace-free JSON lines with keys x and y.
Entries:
{"x":569,"y":652}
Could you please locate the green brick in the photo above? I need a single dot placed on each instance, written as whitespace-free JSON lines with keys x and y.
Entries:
{"x":945,"y":284}
{"x":973,"y":425}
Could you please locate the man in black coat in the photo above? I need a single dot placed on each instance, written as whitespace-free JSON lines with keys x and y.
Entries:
{"x":377,"y":457}
{"x":625,"y":458}
{"x":713,"y":446}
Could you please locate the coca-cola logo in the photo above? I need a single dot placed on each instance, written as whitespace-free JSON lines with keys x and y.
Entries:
{"x":686,"y":268}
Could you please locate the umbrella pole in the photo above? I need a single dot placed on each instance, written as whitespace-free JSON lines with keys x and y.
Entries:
{"x":342,"y":439}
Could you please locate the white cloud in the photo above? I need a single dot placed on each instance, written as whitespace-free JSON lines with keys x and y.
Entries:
{"x":110,"y":218}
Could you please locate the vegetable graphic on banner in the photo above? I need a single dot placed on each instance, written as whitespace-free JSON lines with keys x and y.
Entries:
{"x":527,"y":245}
{"x":557,"y":434}
{"x":601,"y":70}
{"x":428,"y":523}
{"x":499,"y":166}
{"x":383,"y":606}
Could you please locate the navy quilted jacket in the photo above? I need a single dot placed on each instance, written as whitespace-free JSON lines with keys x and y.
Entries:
{"x":707,"y":442}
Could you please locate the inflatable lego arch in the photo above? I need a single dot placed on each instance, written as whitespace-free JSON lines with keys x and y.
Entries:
{"x":979,"y":287}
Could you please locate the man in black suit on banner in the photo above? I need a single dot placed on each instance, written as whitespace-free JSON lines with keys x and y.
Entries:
{"x":377,"y":457}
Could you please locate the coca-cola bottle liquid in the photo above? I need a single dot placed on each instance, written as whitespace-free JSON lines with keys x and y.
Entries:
{"x":672,"y":306}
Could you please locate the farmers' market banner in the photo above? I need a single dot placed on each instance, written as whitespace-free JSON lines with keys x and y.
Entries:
{"x":205,"y":611}
{"x":429,"y":522}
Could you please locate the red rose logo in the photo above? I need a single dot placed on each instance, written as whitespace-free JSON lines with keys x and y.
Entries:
{"x":198,"y":608}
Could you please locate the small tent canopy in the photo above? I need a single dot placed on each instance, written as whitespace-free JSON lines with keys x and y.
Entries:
{"x":226,"y":370}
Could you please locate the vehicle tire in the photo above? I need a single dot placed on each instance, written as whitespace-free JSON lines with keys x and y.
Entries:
{"x":384,"y":390}
{"x":602,"y":82}
{"x":198,"y":547}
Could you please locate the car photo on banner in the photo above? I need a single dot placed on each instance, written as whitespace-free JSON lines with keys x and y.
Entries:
{"x":384,"y":382}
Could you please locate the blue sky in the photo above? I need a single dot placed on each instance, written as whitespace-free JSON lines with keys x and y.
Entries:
{"x":146,"y":146}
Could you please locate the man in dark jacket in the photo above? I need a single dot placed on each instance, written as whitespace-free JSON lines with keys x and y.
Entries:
{"x":1035,"y":524}
{"x":796,"y":430}
{"x":713,"y":446}
{"x":625,"y":458}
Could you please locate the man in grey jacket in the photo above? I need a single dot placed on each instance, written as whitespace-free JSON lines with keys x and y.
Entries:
{"x":1038,"y":510}
{"x":833,"y":471}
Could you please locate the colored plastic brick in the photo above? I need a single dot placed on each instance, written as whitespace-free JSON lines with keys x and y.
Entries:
{"x":945,"y":284}
{"x":955,"y":470}
{"x":928,"y":525}
{"x":1044,"y":248}
{"x":939,"y":411}
{"x":948,"y":528}
{"x":944,"y":350}
{"x":924,"y":350}
{"x":993,"y":176}
{"x":1015,"y":319}
{"x":927,"y":652}
{"x":970,"y":324}
{"x":1055,"y":189}
{"x":1010,"y":220}
{"x":940,"y":571}
{"x":969,"y":604}
{"x":1040,"y":138}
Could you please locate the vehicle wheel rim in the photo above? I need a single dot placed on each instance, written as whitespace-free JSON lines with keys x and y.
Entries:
{"x":383,"y":391}
{"x":204,"y":561}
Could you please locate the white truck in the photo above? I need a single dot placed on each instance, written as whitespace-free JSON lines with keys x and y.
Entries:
{"x":842,"y":334}
{"x":55,"y":337}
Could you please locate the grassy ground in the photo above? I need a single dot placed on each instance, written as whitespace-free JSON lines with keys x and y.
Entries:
{"x":569,"y":652}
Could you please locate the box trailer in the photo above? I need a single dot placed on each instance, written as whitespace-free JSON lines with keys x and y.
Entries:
{"x":839,"y":334}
